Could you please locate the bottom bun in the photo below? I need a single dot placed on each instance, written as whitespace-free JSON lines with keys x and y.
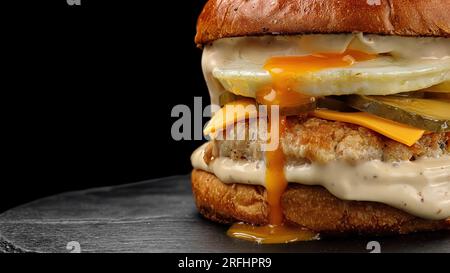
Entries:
{"x":312,"y":207}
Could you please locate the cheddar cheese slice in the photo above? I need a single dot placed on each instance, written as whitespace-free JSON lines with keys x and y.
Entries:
{"x":397,"y":131}
{"x":229,"y":114}
{"x":246,"y":109}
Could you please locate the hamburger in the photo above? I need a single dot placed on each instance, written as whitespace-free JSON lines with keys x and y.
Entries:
{"x":361,"y":90}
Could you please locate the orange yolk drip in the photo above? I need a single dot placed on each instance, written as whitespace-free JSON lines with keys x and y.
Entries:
{"x":276,"y":182}
{"x":284,"y":97}
{"x":283,"y":71}
{"x":271,"y":234}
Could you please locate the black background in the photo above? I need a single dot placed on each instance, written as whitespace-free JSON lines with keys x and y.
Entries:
{"x":87,"y":93}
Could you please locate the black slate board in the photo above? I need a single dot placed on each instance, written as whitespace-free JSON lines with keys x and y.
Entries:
{"x":156,"y":216}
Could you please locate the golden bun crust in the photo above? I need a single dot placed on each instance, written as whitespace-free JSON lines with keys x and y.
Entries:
{"x":233,"y":18}
{"x":312,"y":207}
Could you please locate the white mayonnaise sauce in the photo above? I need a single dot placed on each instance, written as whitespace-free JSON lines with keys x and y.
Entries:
{"x":421,"y":187}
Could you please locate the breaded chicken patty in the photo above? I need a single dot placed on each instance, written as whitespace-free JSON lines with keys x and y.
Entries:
{"x":310,"y":139}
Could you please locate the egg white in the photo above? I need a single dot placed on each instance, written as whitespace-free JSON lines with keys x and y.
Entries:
{"x":382,"y":76}
{"x":403,"y":64}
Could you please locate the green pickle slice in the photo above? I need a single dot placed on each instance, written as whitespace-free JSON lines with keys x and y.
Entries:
{"x":428,"y":114}
{"x":438,"y":96}
{"x":334,"y":103}
{"x":298,"y":109}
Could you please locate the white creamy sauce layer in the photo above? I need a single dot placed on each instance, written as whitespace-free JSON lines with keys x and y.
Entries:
{"x":421,"y":187}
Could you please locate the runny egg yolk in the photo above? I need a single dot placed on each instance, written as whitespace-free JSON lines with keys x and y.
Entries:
{"x":283,"y":71}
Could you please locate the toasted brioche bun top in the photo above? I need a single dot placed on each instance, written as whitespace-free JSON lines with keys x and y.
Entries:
{"x":234,"y":18}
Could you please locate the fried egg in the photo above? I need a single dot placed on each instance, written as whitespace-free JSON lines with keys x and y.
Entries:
{"x":401,"y":64}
